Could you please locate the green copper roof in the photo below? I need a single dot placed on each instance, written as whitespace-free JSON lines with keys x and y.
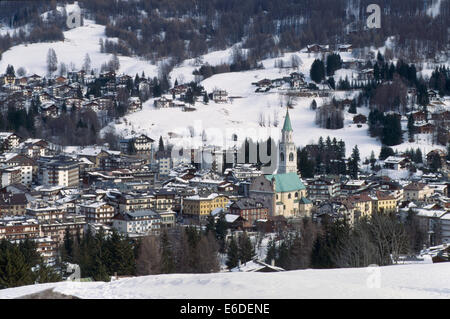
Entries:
{"x":287,"y":122}
{"x":286,"y":182}
{"x":304,"y":200}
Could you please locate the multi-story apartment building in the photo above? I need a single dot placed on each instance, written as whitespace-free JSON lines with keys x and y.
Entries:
{"x":26,"y":166}
{"x":323,"y":188}
{"x":44,"y":212}
{"x":13,"y":204}
{"x":135,"y":201}
{"x":59,"y":171}
{"x":98,"y":212}
{"x":383,"y":202}
{"x":417,"y":192}
{"x":250,"y":210}
{"x":199,"y":207}
{"x":18,"y":228}
{"x":56,"y":229}
{"x":10,"y":175}
{"x":164,"y":199}
{"x":142,"y":222}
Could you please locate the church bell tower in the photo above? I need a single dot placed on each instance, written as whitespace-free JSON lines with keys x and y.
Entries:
{"x":287,"y":150}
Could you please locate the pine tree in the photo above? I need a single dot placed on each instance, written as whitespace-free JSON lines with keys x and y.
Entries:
{"x":372,"y":160}
{"x":353,"y":162}
{"x":385,"y":152}
{"x":410,"y":127}
{"x":52,"y":61}
{"x":87,"y":63}
{"x":271,"y":252}
{"x":317,"y":71}
{"x":232,"y":254}
{"x":246,"y":249}
{"x":68,"y":246}
{"x":392,"y":130}
{"x":167,"y":262}
{"x":210,"y":225}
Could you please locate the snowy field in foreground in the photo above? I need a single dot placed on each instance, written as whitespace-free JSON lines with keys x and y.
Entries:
{"x":401,"y":281}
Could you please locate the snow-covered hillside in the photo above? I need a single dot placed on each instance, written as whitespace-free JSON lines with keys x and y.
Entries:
{"x":220,"y":121}
{"x":242,"y":117}
{"x":77,"y":42}
{"x":399,"y":281}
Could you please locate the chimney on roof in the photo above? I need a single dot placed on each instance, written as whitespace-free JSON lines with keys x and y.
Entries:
{"x":272,"y":262}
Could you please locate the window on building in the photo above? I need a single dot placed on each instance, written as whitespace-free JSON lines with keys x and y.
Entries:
{"x":291,"y":157}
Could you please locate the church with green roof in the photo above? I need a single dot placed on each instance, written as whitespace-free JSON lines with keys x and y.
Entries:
{"x":284,"y":193}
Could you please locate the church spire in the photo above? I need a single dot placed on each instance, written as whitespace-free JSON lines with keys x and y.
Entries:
{"x":287,"y":122}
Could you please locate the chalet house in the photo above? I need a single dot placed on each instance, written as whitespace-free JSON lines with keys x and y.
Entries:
{"x":360,"y":119}
{"x":34,"y":148}
{"x":8,"y":141}
{"x":425,"y":128}
{"x":94,"y":106}
{"x":110,"y":75}
{"x":257,"y":266}
{"x":396,"y":162}
{"x":105,"y":102}
{"x":139,"y":144}
{"x":45,"y":97}
{"x":34,"y":79}
{"x":62,"y":90}
{"x":297,"y":83}
{"x":433,"y":95}
{"x":134,"y":104}
{"x":61,"y":80}
{"x":37,"y":89}
{"x":9,"y":79}
{"x":234,"y":222}
{"x":74,"y":102}
{"x":49,"y":110}
{"x":220,"y":96}
{"x":419,"y":116}
{"x":365,"y":75}
{"x":179,"y":89}
{"x":263,"y":83}
{"x":316,"y":48}
{"x":23,"y":81}
{"x":123,"y":79}
{"x":345,"y":48}
{"x":163,"y":102}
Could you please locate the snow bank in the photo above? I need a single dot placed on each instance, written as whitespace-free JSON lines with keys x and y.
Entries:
{"x":400,"y":281}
